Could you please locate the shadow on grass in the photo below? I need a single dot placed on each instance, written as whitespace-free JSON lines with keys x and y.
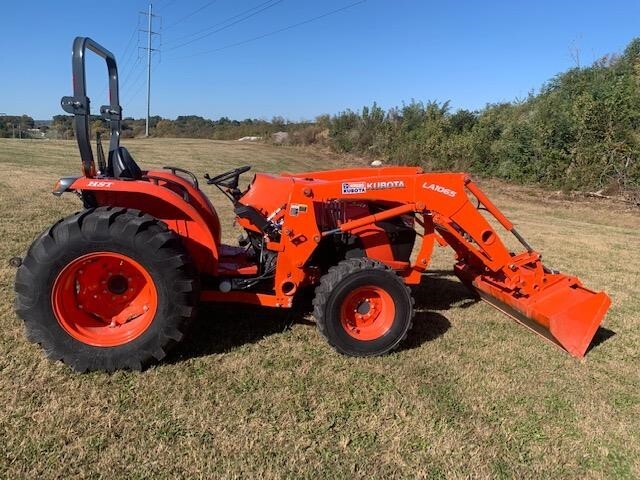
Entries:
{"x":221,"y":328}
{"x":602,"y":335}
{"x":438,"y":292}
{"x":224,"y":327}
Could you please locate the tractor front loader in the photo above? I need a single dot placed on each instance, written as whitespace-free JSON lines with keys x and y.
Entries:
{"x":116,"y":284}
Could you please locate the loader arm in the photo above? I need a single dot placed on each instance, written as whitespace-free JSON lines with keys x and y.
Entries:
{"x":552,"y":304}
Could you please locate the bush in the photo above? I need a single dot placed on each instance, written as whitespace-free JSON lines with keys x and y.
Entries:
{"x":581,"y":131}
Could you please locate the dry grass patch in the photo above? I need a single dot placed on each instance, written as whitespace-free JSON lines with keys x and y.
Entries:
{"x":257,"y":393}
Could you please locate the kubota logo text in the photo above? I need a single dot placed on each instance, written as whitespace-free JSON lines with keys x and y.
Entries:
{"x":362,"y":187}
{"x":94,"y":183}
{"x":385,"y":185}
{"x":439,"y":188}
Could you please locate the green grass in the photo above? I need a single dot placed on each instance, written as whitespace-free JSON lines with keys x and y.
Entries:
{"x":257,"y":393}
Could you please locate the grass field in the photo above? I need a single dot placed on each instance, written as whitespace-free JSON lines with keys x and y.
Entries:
{"x":257,"y":393}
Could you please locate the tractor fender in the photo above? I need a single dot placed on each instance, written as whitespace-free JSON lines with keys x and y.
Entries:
{"x":197,"y":198}
{"x":163,"y":203}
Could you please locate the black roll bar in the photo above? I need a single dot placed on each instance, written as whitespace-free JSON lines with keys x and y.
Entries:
{"x":78,"y":104}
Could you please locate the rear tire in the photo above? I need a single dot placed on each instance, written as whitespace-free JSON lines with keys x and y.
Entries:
{"x":363,"y":308}
{"x":105,"y":289}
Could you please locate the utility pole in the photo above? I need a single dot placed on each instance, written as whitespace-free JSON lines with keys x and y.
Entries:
{"x":146,"y":131}
{"x":149,"y":50}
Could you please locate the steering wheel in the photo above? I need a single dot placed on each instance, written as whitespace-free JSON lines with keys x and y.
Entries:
{"x":226,"y":176}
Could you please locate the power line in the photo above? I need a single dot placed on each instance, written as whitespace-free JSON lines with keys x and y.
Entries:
{"x":126,"y":49}
{"x":225,"y":27}
{"x":135,"y":82}
{"x":126,"y":58}
{"x":224,"y":21}
{"x":126,"y":61}
{"x":162,"y":7}
{"x":135,"y":92}
{"x":121,"y":57}
{"x":191,"y":14}
{"x":274,"y":32}
{"x":130,"y":61}
{"x":133,"y":69}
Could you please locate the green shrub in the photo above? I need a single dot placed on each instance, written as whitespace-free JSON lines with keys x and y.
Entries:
{"x":581,"y":131}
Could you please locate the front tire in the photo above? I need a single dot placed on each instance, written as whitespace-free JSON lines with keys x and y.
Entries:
{"x":363,"y":308}
{"x":105,"y":289}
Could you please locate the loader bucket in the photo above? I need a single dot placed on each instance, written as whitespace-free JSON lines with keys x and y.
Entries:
{"x":564,"y":312}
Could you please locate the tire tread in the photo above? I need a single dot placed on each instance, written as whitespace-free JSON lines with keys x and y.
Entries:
{"x":104,"y":223}
{"x":328,"y":284}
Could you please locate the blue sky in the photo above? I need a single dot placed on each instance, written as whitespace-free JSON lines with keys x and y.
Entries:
{"x":470,"y":53}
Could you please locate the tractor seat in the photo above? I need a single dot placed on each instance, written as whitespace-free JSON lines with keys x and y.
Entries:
{"x":123,"y":165}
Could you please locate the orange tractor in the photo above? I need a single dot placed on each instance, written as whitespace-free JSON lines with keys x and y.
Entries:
{"x":115,"y":285}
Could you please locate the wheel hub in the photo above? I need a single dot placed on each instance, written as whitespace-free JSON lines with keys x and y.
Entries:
{"x":118,"y":284}
{"x":367,"y":313}
{"x":104,"y":299}
{"x":364,"y":308}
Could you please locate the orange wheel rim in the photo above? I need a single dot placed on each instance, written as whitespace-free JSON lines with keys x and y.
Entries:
{"x":104,"y":299}
{"x":367,"y":313}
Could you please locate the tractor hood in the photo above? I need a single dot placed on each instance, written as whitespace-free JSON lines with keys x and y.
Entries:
{"x":268,"y":192}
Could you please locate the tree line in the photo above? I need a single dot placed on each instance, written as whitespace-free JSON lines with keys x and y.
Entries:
{"x":184,"y":126}
{"x":15,"y":126}
{"x":580,"y":131}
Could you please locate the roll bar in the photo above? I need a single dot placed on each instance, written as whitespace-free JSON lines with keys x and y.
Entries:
{"x":78,"y":104}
